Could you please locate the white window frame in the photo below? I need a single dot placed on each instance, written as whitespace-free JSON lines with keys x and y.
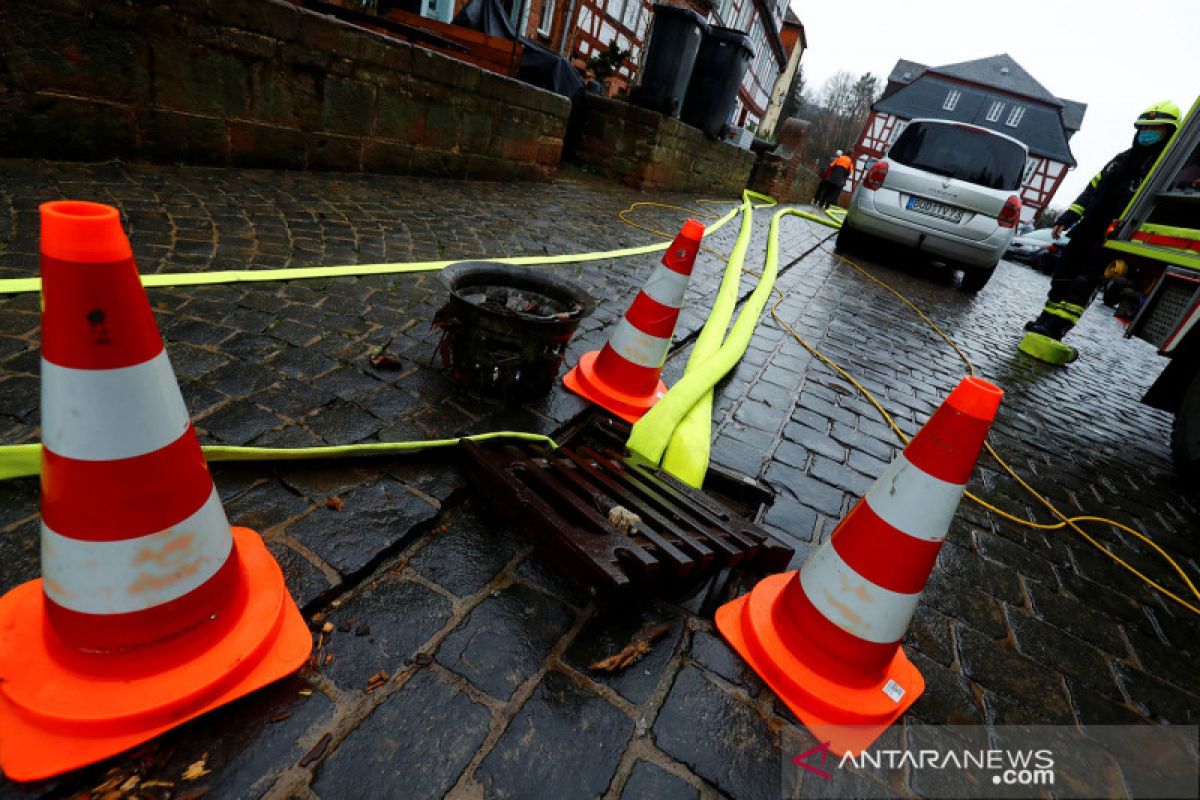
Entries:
{"x":1031,"y":165}
{"x":636,"y":7}
{"x":995,"y":111}
{"x":1014,"y":116}
{"x":952,"y":98}
{"x":613,"y":9}
{"x":546,"y":24}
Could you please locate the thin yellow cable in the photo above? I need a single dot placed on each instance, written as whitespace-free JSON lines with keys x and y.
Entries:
{"x":1064,"y":520}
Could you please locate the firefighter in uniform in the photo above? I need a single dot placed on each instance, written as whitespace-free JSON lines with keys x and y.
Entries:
{"x":1081,"y":268}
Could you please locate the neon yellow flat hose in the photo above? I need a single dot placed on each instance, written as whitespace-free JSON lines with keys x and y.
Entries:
{"x":653,"y":432}
{"x":690,"y":446}
{"x":24,"y":460}
{"x":23,"y":285}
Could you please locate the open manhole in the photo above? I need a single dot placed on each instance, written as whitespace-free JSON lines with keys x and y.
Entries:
{"x":505,"y":328}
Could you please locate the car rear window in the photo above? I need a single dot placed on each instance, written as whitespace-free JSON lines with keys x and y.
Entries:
{"x":959,"y":152}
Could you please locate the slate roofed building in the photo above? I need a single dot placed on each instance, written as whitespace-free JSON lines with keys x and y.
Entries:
{"x":994,"y":92}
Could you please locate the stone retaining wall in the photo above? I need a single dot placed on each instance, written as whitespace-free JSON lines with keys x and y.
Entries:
{"x":782,"y":173}
{"x":257,"y":83}
{"x":647,"y":150}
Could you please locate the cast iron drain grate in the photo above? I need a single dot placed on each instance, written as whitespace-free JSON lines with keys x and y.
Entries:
{"x":614,"y":526}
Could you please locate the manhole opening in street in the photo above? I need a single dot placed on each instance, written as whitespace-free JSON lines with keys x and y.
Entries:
{"x":505,"y":328}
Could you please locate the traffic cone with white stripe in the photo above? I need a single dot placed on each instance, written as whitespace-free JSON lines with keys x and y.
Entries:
{"x":624,"y":376}
{"x":827,"y":638}
{"x":150,"y":610}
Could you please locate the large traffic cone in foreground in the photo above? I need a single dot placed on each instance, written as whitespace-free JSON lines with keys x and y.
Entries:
{"x":623,"y":377}
{"x":150,"y":610}
{"x":827,"y":638}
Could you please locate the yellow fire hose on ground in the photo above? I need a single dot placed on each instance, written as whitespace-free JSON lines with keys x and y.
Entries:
{"x":24,"y":460}
{"x":655,"y":437}
{"x":657,"y":431}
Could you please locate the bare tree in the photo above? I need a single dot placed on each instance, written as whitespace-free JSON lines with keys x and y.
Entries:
{"x":1046,"y":217}
{"x":839,"y":113}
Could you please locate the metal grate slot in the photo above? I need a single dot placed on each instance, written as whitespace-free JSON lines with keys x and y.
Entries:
{"x":614,"y":526}
{"x":1166,"y":309}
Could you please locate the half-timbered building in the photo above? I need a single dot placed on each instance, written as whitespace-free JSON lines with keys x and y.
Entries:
{"x":994,"y":92}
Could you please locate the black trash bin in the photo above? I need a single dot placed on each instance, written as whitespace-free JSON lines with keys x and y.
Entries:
{"x":505,"y":328}
{"x":674,"y":42}
{"x":724,"y":56}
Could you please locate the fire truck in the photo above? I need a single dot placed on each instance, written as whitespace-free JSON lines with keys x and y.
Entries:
{"x":1157,"y":246}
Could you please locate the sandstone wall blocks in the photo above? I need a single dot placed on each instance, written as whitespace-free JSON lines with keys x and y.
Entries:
{"x":253,"y":144}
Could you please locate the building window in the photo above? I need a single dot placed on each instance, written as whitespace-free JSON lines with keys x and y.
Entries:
{"x":633,"y":10}
{"x":951,"y":100}
{"x":995,"y":111}
{"x":547,"y":19}
{"x":1014,"y":116}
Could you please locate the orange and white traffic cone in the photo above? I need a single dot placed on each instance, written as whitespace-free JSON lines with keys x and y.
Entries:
{"x":827,"y":638}
{"x":624,"y":376}
{"x":150,"y":610}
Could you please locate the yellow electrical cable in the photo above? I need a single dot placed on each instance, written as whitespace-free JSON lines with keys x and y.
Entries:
{"x":1064,"y":521}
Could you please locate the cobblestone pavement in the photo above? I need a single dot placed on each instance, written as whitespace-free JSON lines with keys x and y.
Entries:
{"x":487,"y":649}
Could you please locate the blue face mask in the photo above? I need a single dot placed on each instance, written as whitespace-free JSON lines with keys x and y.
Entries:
{"x":1147,"y":138}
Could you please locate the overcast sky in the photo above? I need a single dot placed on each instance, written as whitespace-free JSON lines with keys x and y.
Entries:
{"x":1118,"y":57}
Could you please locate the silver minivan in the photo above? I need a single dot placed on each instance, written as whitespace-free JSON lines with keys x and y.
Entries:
{"x":949,"y":189}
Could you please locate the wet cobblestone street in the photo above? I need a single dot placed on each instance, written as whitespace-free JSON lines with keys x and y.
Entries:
{"x":486,"y":648}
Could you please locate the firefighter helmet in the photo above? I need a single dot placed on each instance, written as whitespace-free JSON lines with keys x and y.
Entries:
{"x":1164,"y":113}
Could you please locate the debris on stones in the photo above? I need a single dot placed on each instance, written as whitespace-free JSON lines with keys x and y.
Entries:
{"x":327,"y":627}
{"x":334,"y":503}
{"x":623,"y":519}
{"x":280,"y":716}
{"x":362,"y":630}
{"x":305,"y":693}
{"x":317,"y":751}
{"x":196,"y":770}
{"x":377,"y":680}
{"x":382,"y":359}
{"x":419,"y":659}
{"x":638,"y":646}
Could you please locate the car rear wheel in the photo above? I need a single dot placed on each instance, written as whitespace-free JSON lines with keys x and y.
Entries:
{"x":849,"y":240}
{"x":1185,"y":435}
{"x":975,"y":278}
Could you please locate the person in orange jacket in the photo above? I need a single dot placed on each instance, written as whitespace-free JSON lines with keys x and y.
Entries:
{"x":833,"y":180}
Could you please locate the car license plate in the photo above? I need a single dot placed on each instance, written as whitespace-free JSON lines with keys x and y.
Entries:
{"x":934,"y":209}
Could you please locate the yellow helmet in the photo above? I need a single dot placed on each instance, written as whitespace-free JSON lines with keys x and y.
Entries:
{"x":1164,"y":113}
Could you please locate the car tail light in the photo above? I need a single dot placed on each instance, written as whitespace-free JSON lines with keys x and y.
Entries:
{"x":875,"y":176}
{"x":1011,"y":213}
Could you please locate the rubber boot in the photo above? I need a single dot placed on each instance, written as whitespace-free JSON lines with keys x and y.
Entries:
{"x":1050,"y":325}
